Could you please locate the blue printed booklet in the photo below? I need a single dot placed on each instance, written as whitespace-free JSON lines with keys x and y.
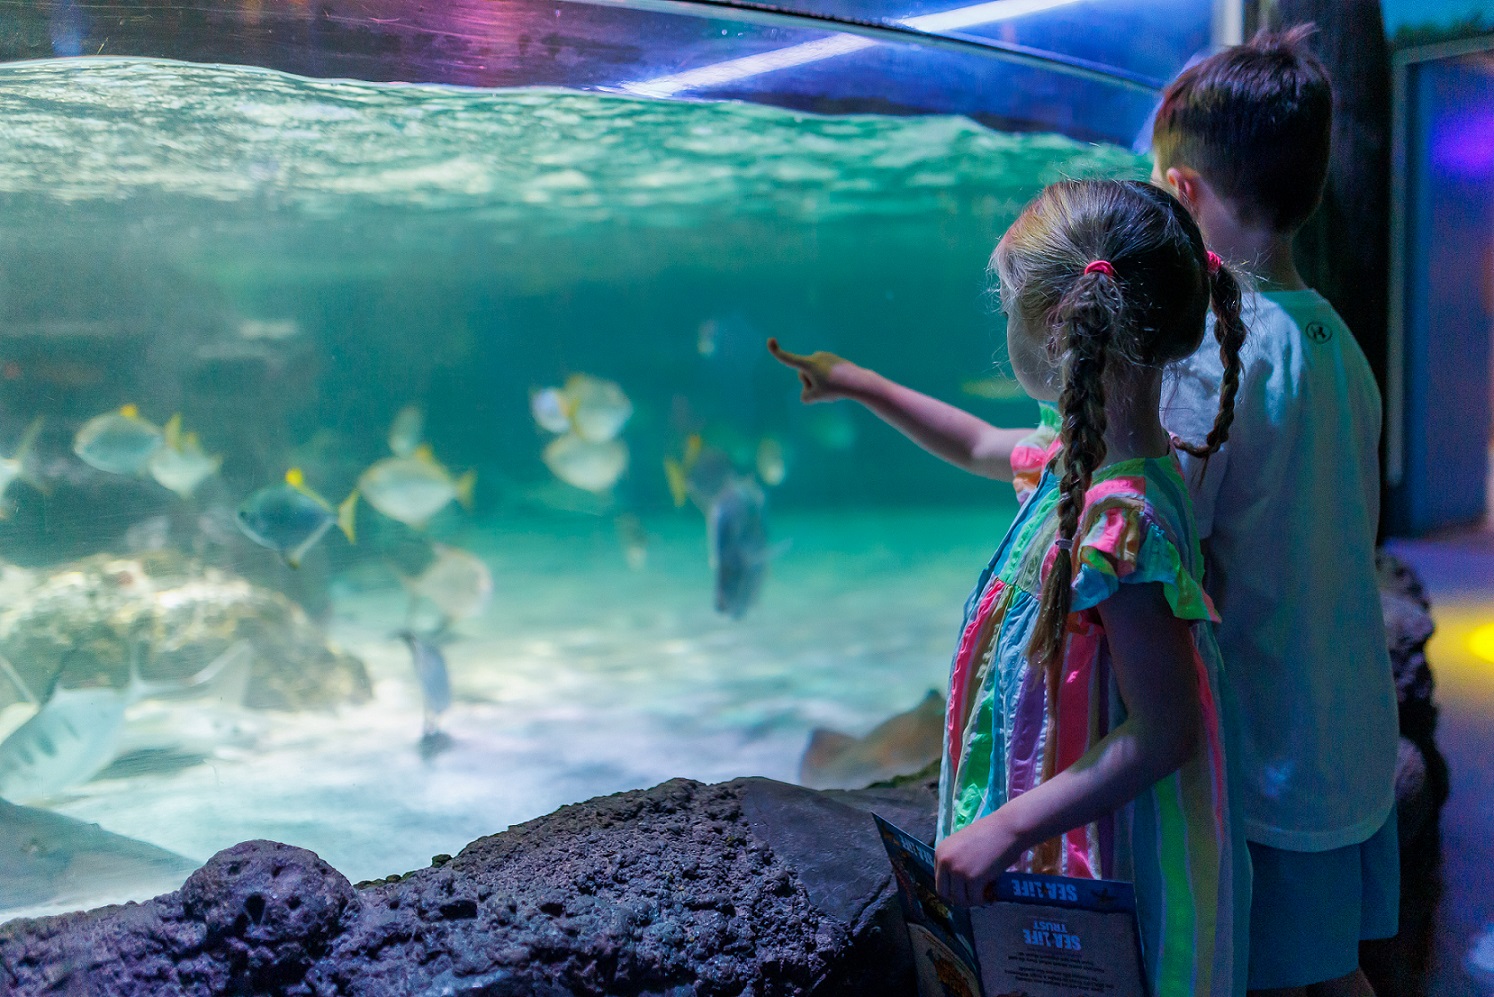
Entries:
{"x":1045,"y":936}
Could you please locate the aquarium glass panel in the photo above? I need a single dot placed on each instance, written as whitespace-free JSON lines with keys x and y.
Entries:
{"x":387,"y":464}
{"x":1082,"y":67}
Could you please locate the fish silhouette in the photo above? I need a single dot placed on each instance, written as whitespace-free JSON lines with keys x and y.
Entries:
{"x":76,"y":732}
{"x":435,"y":683}
{"x":737,"y":536}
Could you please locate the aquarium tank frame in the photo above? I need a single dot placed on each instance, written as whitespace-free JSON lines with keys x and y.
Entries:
{"x":1014,"y":65}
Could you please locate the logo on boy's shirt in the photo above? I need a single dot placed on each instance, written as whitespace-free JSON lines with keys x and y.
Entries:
{"x":1318,"y":332}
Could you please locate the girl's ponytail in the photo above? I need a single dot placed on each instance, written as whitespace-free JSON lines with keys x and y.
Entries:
{"x":1086,"y":317}
{"x":1229,"y":331}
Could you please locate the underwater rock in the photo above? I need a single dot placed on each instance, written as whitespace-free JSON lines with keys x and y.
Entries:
{"x":751,"y":887}
{"x":269,"y":910}
{"x":88,"y":617}
{"x":50,"y":863}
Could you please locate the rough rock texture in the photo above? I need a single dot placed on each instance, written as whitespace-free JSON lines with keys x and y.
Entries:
{"x":1400,"y":965}
{"x":85,"y":620}
{"x":746,"y":888}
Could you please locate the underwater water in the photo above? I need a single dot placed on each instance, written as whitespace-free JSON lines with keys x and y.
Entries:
{"x":289,"y":265}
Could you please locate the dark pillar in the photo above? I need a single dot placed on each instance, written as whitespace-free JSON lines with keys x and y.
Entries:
{"x":1343,"y":251}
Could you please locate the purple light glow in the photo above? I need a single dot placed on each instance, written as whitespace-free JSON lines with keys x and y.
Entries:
{"x":1463,"y":144}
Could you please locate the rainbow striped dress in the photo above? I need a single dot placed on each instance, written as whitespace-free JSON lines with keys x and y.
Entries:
{"x":1177,"y":841}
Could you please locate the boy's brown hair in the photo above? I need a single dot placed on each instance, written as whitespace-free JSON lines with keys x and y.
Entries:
{"x":1256,"y":122}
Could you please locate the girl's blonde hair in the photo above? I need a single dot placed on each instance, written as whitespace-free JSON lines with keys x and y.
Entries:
{"x":1147,"y":307}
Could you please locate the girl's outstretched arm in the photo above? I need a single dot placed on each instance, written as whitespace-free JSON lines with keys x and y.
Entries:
{"x":1154,"y":657}
{"x":950,"y":433}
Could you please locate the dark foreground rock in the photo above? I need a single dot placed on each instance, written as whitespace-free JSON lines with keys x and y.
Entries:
{"x":1400,"y":965}
{"x":746,"y":888}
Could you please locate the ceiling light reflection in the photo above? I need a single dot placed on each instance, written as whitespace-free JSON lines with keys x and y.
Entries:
{"x":746,"y":67}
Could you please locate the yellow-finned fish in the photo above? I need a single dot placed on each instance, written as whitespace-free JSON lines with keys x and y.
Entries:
{"x":456,"y":582}
{"x":592,"y":408}
{"x":995,"y":387}
{"x":289,"y":518}
{"x":413,"y":489}
{"x":119,"y":442}
{"x":592,"y":465}
{"x":180,"y":464}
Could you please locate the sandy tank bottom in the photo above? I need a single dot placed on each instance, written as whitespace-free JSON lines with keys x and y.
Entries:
{"x":583,"y":677}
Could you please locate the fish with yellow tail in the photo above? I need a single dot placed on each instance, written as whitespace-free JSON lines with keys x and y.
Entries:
{"x":585,"y":464}
{"x":592,"y":408}
{"x":413,"y":489}
{"x":289,"y":518}
{"x":698,"y":474}
{"x":457,"y":583}
{"x":180,"y":464}
{"x":121,"y":442}
{"x":14,"y":467}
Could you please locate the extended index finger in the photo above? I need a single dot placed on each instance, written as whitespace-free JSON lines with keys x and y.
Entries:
{"x":784,"y":356}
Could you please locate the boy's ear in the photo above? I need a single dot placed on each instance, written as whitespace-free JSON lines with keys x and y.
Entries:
{"x":1186,"y":184}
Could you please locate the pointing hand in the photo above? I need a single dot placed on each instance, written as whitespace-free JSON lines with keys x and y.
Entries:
{"x":823,"y":375}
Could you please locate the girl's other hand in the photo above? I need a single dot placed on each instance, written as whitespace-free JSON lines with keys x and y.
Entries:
{"x":968,"y":862}
{"x":823,"y":375}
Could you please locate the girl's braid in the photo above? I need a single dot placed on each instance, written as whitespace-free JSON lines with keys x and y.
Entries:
{"x":1087,"y":316}
{"x":1229,"y":330}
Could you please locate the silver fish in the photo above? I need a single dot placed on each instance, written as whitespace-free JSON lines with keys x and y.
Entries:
{"x":406,"y":430}
{"x":435,"y":683}
{"x":118,"y":442}
{"x":586,"y":464}
{"x":14,"y":467}
{"x":76,"y":733}
{"x":737,"y":537}
{"x":180,"y":464}
{"x":600,"y":409}
{"x":589,"y":407}
{"x":772,"y":464}
{"x":456,"y":582}
{"x":413,"y":489}
{"x":551,"y":410}
{"x":290,"y":518}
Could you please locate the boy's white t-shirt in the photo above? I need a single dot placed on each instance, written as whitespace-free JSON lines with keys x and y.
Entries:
{"x":1288,"y":510}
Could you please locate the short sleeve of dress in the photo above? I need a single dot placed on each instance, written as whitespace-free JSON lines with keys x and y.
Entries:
{"x":1123,"y":543}
{"x":1032,"y":455}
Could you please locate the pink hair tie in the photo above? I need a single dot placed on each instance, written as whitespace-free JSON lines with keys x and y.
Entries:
{"x":1214,"y":262}
{"x":1101,"y":266}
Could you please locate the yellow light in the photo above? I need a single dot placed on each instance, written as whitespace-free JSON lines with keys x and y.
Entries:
{"x":1481,"y":642}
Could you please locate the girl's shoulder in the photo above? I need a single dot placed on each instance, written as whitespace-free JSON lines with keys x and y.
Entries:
{"x":1136,"y":527}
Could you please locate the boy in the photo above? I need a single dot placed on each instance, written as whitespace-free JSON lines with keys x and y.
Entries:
{"x":1288,"y":510}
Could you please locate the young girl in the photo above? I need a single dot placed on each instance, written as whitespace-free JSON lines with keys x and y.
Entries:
{"x":1083,"y":731}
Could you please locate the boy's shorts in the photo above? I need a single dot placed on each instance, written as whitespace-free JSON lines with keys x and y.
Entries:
{"x":1310,"y":910}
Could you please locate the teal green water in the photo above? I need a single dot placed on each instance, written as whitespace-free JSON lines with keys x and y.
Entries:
{"x":288,"y":262}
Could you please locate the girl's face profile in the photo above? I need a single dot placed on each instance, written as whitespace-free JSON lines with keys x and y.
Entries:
{"x":1031,"y":353}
